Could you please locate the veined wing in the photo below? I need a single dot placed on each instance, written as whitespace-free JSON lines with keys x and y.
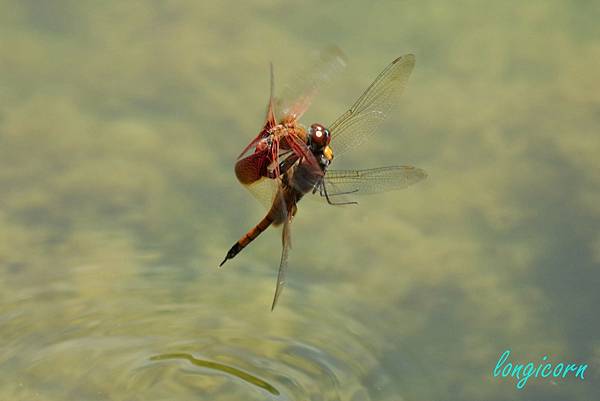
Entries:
{"x":283,"y":264}
{"x":372,"y":181}
{"x":270,"y":120}
{"x":286,"y":244}
{"x":372,"y":107}
{"x":297,"y":96}
{"x":264,"y":190}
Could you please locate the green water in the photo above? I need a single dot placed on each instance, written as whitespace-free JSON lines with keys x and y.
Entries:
{"x":120,"y":122}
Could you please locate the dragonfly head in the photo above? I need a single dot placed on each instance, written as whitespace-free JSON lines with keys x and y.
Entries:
{"x":318,"y":137}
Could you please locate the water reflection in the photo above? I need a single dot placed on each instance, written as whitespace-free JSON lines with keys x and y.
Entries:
{"x":247,"y":377}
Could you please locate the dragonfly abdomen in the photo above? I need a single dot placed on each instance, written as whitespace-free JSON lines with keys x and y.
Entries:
{"x":248,"y":238}
{"x":284,"y":205}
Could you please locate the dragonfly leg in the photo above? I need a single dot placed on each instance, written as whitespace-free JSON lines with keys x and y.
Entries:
{"x":344,"y":193}
{"x":323,"y":192}
{"x":288,"y":161}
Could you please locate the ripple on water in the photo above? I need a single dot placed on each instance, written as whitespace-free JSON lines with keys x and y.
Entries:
{"x":278,"y":368}
{"x":156,"y":338}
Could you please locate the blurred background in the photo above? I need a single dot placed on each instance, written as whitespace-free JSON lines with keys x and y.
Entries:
{"x":119,"y":127}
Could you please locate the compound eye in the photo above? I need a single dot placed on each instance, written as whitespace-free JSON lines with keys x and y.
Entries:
{"x":319,"y":135}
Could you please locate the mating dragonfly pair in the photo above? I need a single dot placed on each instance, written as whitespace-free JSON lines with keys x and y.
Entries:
{"x":287,"y":161}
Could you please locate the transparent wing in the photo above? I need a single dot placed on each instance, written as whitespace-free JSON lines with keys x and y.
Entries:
{"x":286,"y":244}
{"x":270,"y":120}
{"x":264,"y":190}
{"x":372,"y":107}
{"x":371,"y":181}
{"x":296,"y":97}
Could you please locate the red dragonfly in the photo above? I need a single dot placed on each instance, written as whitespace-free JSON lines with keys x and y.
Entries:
{"x":287,"y":161}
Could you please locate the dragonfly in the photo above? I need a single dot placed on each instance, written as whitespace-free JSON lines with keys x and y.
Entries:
{"x":287,"y":160}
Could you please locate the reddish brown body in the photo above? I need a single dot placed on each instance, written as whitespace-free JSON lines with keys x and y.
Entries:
{"x":286,"y":161}
{"x":263,"y":162}
{"x":295,"y":183}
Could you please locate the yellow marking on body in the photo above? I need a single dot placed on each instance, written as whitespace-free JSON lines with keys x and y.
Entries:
{"x":328,"y":153}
